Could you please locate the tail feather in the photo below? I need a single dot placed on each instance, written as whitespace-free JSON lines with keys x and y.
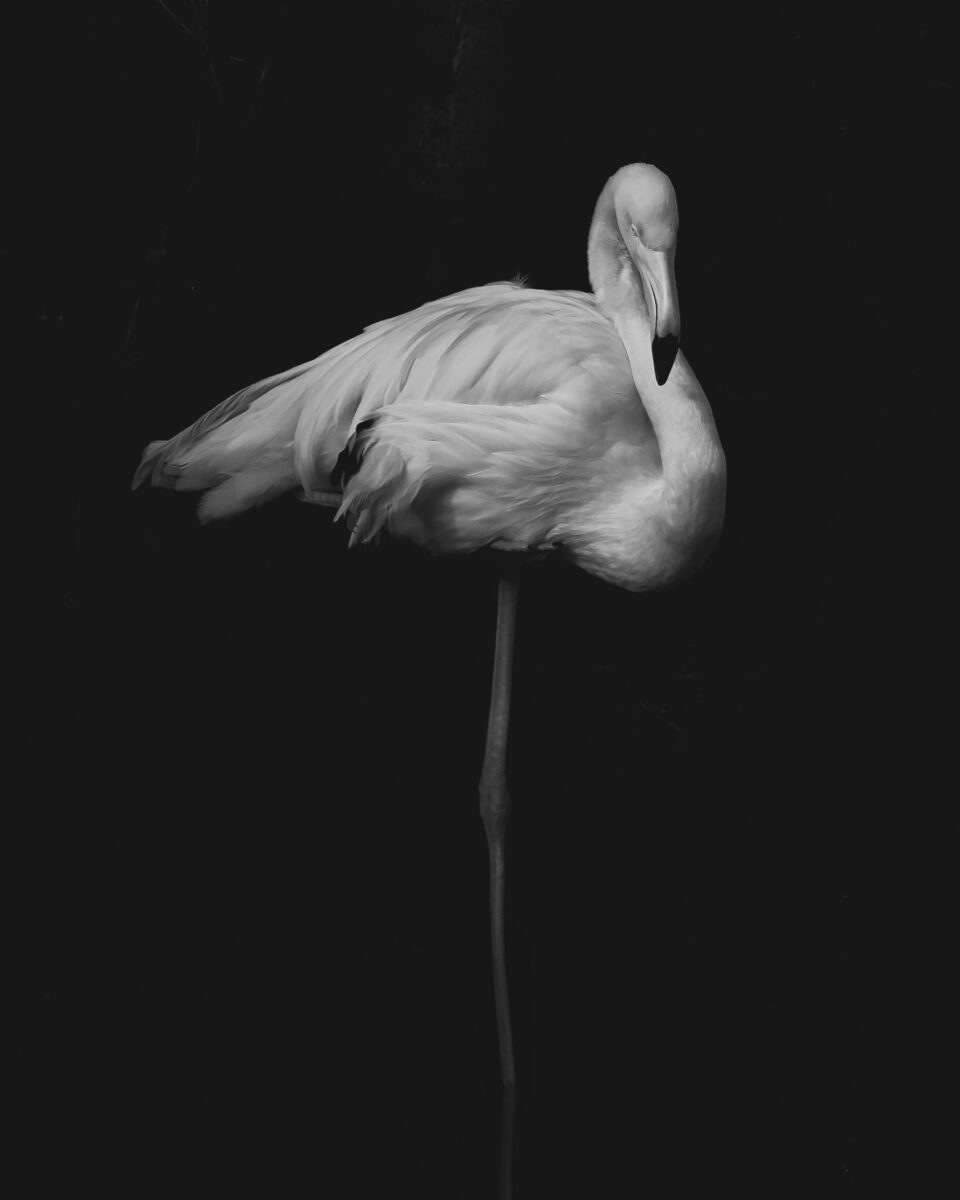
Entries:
{"x":246,"y":489}
{"x":163,"y":462}
{"x":241,"y":452}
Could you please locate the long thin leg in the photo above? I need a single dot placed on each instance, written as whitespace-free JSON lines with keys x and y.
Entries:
{"x":495,"y":803}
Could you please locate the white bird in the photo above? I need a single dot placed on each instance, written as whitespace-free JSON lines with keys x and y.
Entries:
{"x":500,"y":416}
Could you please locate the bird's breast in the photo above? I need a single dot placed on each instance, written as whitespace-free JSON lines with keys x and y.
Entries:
{"x":646,"y":536}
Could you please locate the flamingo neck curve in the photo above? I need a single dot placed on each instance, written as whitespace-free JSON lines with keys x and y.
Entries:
{"x":690,"y":450}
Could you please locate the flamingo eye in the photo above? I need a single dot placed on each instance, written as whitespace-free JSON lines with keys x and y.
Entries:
{"x":635,"y":231}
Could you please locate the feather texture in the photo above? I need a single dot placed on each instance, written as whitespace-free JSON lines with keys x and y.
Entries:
{"x":498,"y":414}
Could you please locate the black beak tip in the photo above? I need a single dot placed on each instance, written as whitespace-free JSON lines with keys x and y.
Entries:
{"x":664,"y":352}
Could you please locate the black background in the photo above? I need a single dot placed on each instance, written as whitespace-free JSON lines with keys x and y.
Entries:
{"x":257,"y":895}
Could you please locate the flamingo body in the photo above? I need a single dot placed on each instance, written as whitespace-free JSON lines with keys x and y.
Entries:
{"x":500,"y":414}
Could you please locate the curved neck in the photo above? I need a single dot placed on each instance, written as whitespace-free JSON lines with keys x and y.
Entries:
{"x":679,"y":410}
{"x":612,"y":272}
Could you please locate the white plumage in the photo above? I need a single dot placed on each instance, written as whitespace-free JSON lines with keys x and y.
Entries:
{"x":501,"y":416}
{"x":498,"y":415}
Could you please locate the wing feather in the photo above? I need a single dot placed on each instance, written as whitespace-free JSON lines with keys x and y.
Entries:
{"x":489,"y":391}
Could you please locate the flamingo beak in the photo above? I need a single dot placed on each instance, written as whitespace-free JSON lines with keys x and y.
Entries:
{"x":666,"y":340}
{"x":664,"y":352}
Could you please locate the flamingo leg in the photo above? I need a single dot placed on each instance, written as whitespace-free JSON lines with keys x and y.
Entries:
{"x":495,"y":804}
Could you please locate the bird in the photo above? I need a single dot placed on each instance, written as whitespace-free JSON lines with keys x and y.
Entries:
{"x":524,"y":420}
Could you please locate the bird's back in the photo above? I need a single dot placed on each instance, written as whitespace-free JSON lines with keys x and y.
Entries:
{"x":482,"y":412}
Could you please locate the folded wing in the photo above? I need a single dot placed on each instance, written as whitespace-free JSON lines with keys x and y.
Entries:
{"x":491,"y":381}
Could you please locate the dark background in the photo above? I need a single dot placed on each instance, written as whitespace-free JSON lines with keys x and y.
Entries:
{"x":256,"y":905}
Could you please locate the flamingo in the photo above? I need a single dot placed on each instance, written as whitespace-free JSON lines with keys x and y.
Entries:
{"x":501,"y":416}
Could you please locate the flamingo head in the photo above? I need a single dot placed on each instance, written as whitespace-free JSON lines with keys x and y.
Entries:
{"x":646,"y":207}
